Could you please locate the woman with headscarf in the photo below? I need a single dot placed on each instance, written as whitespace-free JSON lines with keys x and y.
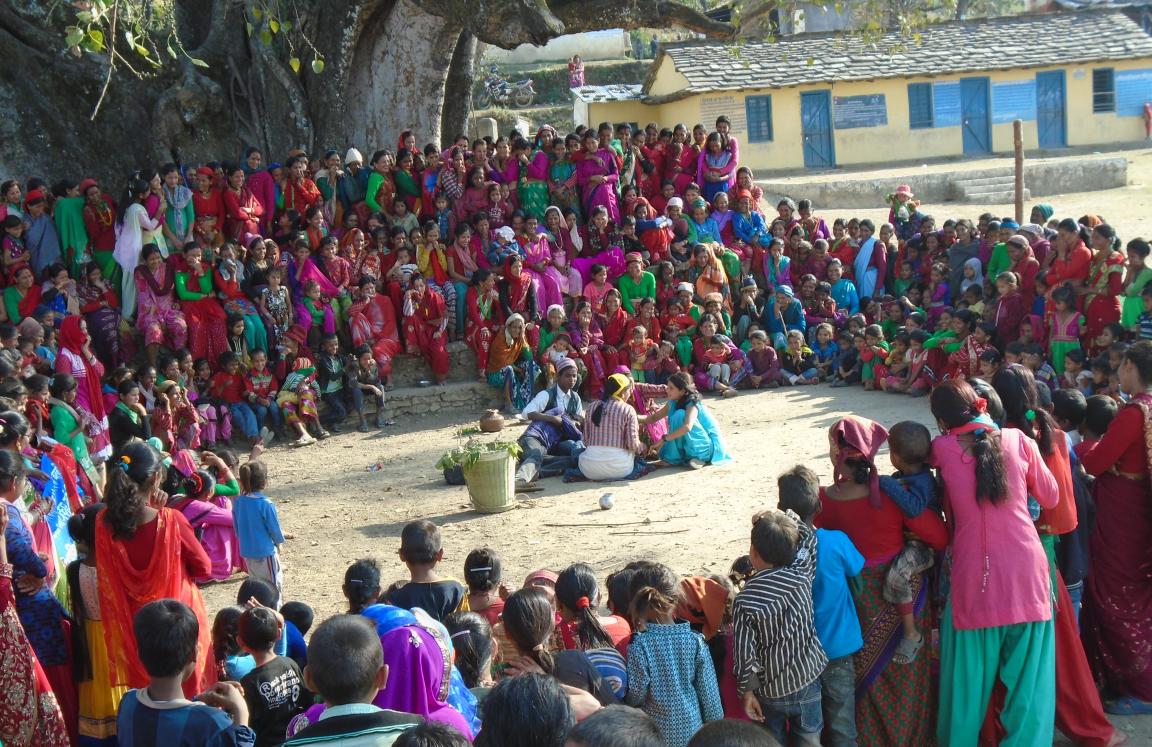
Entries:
{"x":998,"y":620}
{"x":965,"y":248}
{"x":133,"y":225}
{"x":242,"y":210}
{"x":1041,"y":213}
{"x":612,"y":437}
{"x":597,"y":175}
{"x":425,"y":326}
{"x":693,"y":437}
{"x":262,"y":184}
{"x":1025,"y":265}
{"x":75,"y":357}
{"x":894,"y":698}
{"x":372,"y":322}
{"x":22,"y":297}
{"x":562,"y":186}
{"x":482,"y":317}
{"x":511,"y":367}
{"x":207,"y":331}
{"x":40,"y":235}
{"x":602,"y":245}
{"x":517,"y":293}
{"x":871,"y":265}
{"x":160,"y":319}
{"x":714,"y":167}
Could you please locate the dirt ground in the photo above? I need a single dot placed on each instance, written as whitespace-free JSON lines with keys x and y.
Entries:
{"x":694,"y":522}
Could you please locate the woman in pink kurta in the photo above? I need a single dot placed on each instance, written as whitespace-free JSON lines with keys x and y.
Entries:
{"x":212,"y":520}
{"x":998,"y":621}
{"x":537,"y":263}
{"x":158,"y":317}
{"x":597,"y":176}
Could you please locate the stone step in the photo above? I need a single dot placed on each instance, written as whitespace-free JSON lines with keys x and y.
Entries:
{"x":966,"y":183}
{"x":409,"y":370}
{"x":998,"y":197}
{"x":457,"y":397}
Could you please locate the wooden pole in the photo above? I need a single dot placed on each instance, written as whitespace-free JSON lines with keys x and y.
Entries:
{"x":1018,"y":142}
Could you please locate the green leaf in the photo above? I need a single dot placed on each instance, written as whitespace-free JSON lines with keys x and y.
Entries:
{"x":294,"y":63}
{"x":73,"y":36}
{"x":274,"y":25}
{"x":248,"y":27}
{"x":265,"y":37}
{"x":198,"y":62}
{"x":286,"y":26}
{"x":257,"y":13}
{"x":141,"y":50}
{"x":84,"y":16}
{"x":97,"y":37}
{"x":317,"y":65}
{"x":168,"y":48}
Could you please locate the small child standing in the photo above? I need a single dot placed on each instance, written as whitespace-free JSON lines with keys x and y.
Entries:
{"x":258,"y":525}
{"x":778,"y":657}
{"x":670,"y":671}
{"x":913,"y":489}
{"x":639,"y":349}
{"x":421,"y":550}
{"x":274,"y":689}
{"x":834,"y":612}
{"x":166,"y":642}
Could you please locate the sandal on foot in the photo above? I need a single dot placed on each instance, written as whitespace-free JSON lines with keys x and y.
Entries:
{"x":1126,"y":705}
{"x":907,"y":650}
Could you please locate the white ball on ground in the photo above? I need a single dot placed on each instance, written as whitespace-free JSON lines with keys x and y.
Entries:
{"x":606,"y":501}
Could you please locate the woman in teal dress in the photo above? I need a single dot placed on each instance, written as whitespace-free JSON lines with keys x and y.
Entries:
{"x":693,"y":437}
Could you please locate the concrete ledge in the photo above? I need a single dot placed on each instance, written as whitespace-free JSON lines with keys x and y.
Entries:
{"x":408,"y":370}
{"x":456,"y":397}
{"x":937,"y":182}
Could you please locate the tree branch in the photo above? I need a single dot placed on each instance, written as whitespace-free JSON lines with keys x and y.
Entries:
{"x":594,"y":15}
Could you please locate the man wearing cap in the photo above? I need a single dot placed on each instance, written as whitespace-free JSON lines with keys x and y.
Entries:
{"x":351,"y":190}
{"x":636,"y":283}
{"x":206,"y":199}
{"x":553,"y":439}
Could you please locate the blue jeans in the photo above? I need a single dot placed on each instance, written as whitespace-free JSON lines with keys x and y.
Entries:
{"x":270,"y":414}
{"x":538,"y":461}
{"x":1076,"y":591}
{"x":342,"y":403}
{"x":838,"y":701}
{"x":244,"y":419}
{"x":796,"y":718}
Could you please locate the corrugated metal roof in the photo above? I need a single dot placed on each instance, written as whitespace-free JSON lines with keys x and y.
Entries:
{"x":615,"y":92}
{"x":940,"y":49}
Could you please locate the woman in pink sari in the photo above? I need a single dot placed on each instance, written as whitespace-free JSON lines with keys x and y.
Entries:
{"x":372,"y":321}
{"x":587,"y":342}
{"x":158,"y":317}
{"x":601,"y":247}
{"x":597,"y":176}
{"x":537,"y":263}
{"x":563,"y":252}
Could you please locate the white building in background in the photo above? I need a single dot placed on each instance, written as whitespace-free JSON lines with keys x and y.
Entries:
{"x":613,"y":44}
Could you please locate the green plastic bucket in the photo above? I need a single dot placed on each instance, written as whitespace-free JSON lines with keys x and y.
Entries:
{"x":491,"y":482}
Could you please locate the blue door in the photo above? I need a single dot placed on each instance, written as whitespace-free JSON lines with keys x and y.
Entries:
{"x":976,"y":123}
{"x":816,"y":128}
{"x":1050,"y":112}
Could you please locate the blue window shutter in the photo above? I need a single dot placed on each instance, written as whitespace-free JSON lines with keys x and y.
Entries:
{"x":920,"y":106}
{"x":758,"y":110}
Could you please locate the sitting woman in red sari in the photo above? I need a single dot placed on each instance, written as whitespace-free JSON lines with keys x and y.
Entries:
{"x":517,"y":294}
{"x":372,"y":321}
{"x":23,"y":296}
{"x":483,"y":317}
{"x":614,"y":324}
{"x":588,"y":344}
{"x":207,"y":334}
{"x":894,"y":701}
{"x":29,"y":712}
{"x":426,"y":325}
{"x":1116,"y":627}
{"x":152,"y":553}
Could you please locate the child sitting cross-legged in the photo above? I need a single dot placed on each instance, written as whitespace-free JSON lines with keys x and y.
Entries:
{"x":913,"y":489}
{"x":274,"y":689}
{"x":798,"y":362}
{"x":166,"y":637}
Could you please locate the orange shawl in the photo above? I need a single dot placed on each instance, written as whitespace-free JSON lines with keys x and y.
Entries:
{"x":124,"y":589}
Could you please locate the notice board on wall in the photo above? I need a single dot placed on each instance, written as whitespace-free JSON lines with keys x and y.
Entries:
{"x":712,"y":107}
{"x":1012,"y":100}
{"x":1133,"y":90}
{"x":946,"y":104}
{"x":849,"y":112}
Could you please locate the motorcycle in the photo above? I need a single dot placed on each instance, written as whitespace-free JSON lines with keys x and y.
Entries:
{"x":500,"y":92}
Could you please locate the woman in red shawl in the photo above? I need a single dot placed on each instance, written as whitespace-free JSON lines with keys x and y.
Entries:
{"x":1025,"y":266}
{"x":29,"y":712}
{"x":1104,"y":285}
{"x":23,"y":296}
{"x":1070,"y":256}
{"x":207,"y":332}
{"x":242,"y":211}
{"x":372,"y":321}
{"x":483,"y":317}
{"x":587,"y":342}
{"x":151,"y":553}
{"x":300,"y":192}
{"x":425,"y":326}
{"x":615,"y":326}
{"x":517,"y":296}
{"x":75,"y":357}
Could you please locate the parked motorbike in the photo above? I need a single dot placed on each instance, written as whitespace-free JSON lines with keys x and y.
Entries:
{"x":499,"y":91}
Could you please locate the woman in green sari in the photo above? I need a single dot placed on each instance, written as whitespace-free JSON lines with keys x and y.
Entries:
{"x":535,"y":167}
{"x":407,"y":184}
{"x":68,"y":425}
{"x":562,"y":178}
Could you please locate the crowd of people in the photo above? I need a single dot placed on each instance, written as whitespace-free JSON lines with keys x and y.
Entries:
{"x":606,"y":281}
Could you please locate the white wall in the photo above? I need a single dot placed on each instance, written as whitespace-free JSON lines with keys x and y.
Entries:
{"x":612,"y":44}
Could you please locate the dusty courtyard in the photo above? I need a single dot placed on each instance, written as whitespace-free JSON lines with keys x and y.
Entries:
{"x":694,"y":522}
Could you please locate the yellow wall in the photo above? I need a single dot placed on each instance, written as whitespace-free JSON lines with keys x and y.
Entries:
{"x":894,"y":141}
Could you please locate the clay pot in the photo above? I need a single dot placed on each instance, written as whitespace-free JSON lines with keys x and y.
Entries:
{"x":491,"y":421}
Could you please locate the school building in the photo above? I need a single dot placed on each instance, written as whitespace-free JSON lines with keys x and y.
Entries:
{"x":824,"y":100}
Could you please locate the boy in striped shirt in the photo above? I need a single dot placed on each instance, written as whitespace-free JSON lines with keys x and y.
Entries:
{"x":778,"y":658}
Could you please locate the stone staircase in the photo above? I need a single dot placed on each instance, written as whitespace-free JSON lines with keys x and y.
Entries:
{"x":463,"y":391}
{"x":992,"y":187}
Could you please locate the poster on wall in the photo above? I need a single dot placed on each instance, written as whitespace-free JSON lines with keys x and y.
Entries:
{"x":946,"y":104}
{"x":1012,"y":100}
{"x":712,"y":107}
{"x":849,"y":112}
{"x":1133,"y":90}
